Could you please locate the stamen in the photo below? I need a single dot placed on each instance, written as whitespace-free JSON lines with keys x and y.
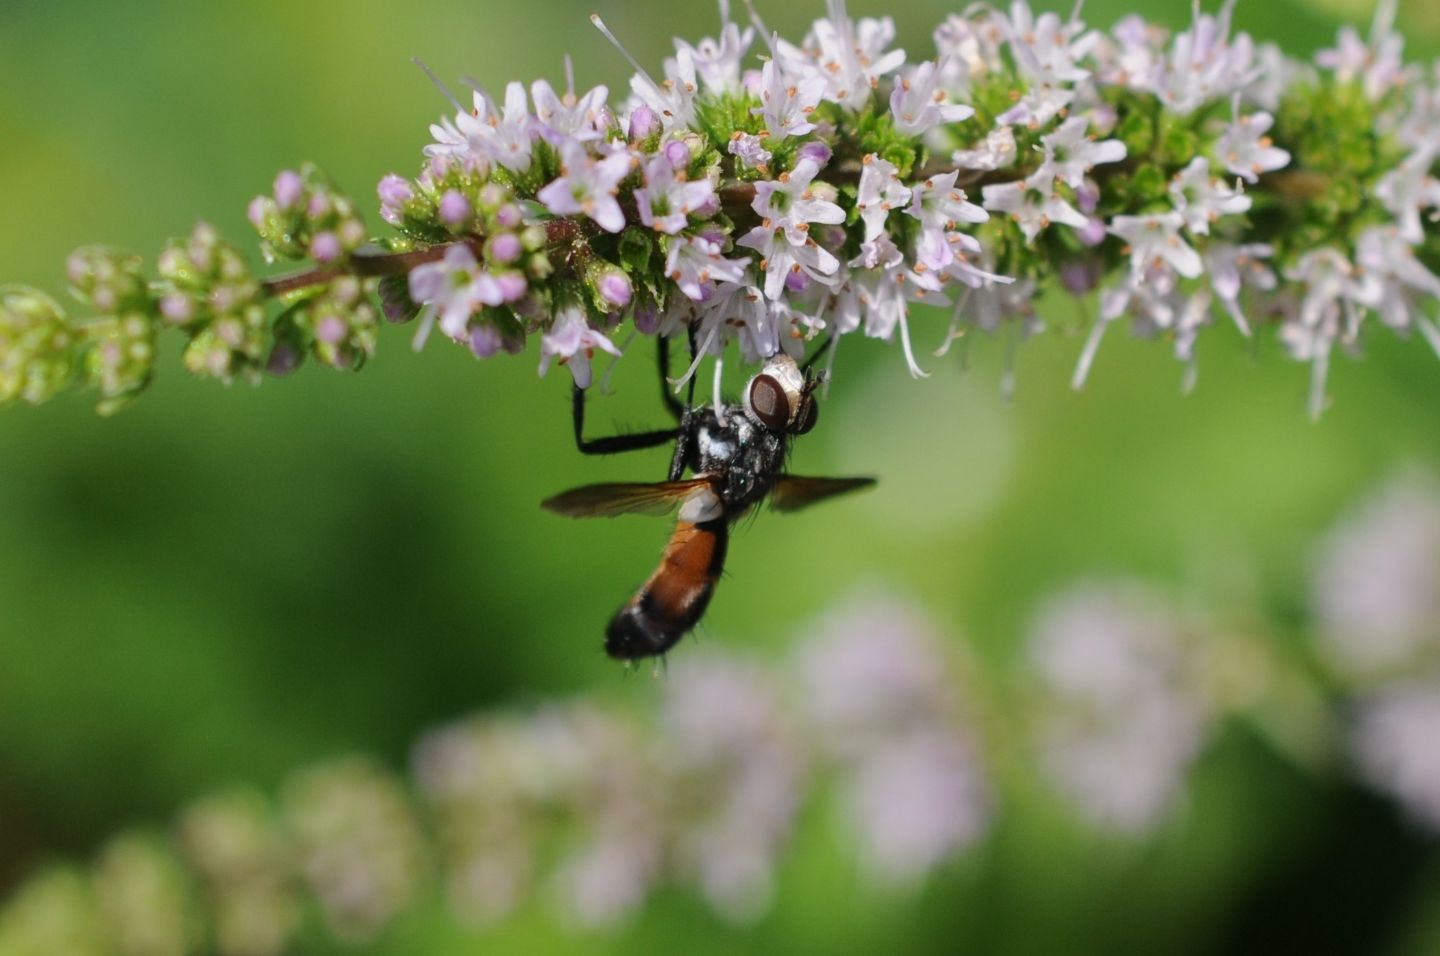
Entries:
{"x":444,"y":90}
{"x":615,"y":359}
{"x":699,"y":354}
{"x":915,"y":370}
{"x":1319,"y":369}
{"x":719,"y":405}
{"x":954,"y":332}
{"x":644,"y":75}
{"x":1430,"y":332}
{"x":1092,"y":346}
{"x":1190,"y":376}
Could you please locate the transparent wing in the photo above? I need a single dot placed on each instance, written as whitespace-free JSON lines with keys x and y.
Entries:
{"x":792,"y":492}
{"x":624,"y":498}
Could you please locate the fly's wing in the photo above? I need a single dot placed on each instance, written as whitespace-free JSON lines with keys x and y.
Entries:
{"x":624,"y":498}
{"x":793,"y":492}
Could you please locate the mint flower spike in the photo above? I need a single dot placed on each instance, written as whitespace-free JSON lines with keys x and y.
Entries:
{"x":759,"y":196}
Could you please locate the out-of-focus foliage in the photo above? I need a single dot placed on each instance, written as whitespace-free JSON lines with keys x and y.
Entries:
{"x":223,"y":585}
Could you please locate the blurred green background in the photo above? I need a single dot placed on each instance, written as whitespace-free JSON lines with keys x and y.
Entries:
{"x":221,"y":585}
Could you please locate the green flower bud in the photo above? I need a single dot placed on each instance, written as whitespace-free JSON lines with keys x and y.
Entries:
{"x":37,"y":345}
{"x":109,"y":280}
{"x":144,"y":900}
{"x":121,"y":359}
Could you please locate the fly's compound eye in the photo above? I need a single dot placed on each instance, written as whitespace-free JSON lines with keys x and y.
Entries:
{"x":768,"y":402}
{"x":806,"y":416}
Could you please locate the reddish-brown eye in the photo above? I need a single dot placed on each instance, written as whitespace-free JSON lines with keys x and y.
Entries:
{"x":768,"y":402}
{"x":805,"y":420}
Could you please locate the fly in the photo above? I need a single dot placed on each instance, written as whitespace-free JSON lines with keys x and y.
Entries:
{"x":736,"y":455}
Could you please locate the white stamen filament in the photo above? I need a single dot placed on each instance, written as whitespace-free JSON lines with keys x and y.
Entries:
{"x":444,"y":90}
{"x":1087,"y":354}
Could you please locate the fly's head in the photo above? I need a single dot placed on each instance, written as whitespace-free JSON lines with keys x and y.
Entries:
{"x":781,"y":397}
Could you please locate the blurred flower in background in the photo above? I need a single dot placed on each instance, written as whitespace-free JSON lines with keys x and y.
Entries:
{"x":1122,"y":716}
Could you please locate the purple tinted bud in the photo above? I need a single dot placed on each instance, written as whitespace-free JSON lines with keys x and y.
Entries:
{"x":223,"y":299}
{"x":177,"y":308}
{"x":1087,"y":197}
{"x":508,"y":216}
{"x":325,"y":247}
{"x":505,"y":247}
{"x":1093,"y":232}
{"x":288,"y":188}
{"x":485,"y":340}
{"x":1079,"y":276}
{"x":813,"y":152}
{"x":512,"y":285}
{"x":678,"y":154}
{"x":643,"y":123}
{"x":647,"y":316}
{"x":284,"y":359}
{"x":615,"y":289}
{"x":394,"y":190}
{"x":492,"y":196}
{"x":331,"y":330}
{"x":455,"y":209}
{"x":796,"y":281}
{"x":255,"y":212}
{"x":319,"y":206}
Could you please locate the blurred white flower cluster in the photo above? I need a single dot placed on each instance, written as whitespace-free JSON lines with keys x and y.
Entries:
{"x":907,"y":751}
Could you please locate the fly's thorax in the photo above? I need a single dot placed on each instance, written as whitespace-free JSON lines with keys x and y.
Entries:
{"x":744,"y":454}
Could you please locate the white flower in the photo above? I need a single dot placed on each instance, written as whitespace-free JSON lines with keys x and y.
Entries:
{"x":849,"y":57}
{"x":1231,"y":268}
{"x":1202,"y":199}
{"x":968,"y":49}
{"x":918,"y":103}
{"x":939,"y":204}
{"x":461,"y":137}
{"x":667,"y":198}
{"x":1046,"y":49}
{"x":787,"y":102}
{"x":880,"y":192}
{"x":717,"y":62}
{"x":1124,"y":721}
{"x":673,"y":100}
{"x":1409,"y":189}
{"x":1378,"y":65}
{"x":696,"y":264}
{"x":452,"y":290}
{"x":1245,"y":150}
{"x":784,"y":261}
{"x":1374,"y":590}
{"x":749,"y":149}
{"x":997,"y":151}
{"x":573,"y":341}
{"x":1033,"y":207}
{"x":581,"y":118}
{"x":1334,"y":302}
{"x":1393,"y":741}
{"x":1406,"y":286}
{"x":1070,"y":153}
{"x":507,"y":139}
{"x":1155,"y":240}
{"x":791,"y":203}
{"x":588,"y":185}
{"x":1203,"y":65}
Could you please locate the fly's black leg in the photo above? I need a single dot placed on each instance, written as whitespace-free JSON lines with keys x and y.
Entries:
{"x":615,"y":443}
{"x":683,"y":438}
{"x":819,"y":351}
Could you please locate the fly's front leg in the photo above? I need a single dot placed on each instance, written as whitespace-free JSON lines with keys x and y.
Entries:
{"x":686,"y":433}
{"x":615,"y":443}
